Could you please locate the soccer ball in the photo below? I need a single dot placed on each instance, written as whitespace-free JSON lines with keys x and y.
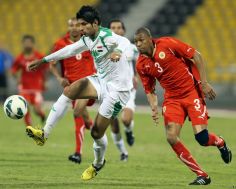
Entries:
{"x":15,"y":107}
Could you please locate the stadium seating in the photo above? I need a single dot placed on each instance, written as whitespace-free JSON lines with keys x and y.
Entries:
{"x":111,"y":9}
{"x":46,"y":20}
{"x":212,"y":30}
{"x":167,"y":20}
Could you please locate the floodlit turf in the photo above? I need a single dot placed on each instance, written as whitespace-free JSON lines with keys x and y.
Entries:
{"x":152,"y":164}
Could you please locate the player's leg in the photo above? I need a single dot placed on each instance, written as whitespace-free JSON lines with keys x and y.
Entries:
{"x":117,"y":139}
{"x":27,"y":117}
{"x":99,"y":146}
{"x":112,"y":103}
{"x":204,"y":138}
{"x":87,"y":119}
{"x":197,"y":112}
{"x":37,"y":104}
{"x":127,"y":118}
{"x":81,"y":89}
{"x":174,"y":116}
{"x":79,"y":107}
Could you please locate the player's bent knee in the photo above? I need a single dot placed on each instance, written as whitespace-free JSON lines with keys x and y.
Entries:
{"x":202,"y":137}
{"x":95,"y":133}
{"x":67,"y":92}
{"x":172,"y":139}
{"x":126,"y":121}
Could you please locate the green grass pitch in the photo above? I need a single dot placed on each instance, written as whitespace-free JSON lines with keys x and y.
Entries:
{"x":152,"y":163}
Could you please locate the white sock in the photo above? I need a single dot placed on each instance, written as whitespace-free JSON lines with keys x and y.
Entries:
{"x":99,"y":149}
{"x":130,"y":127}
{"x":119,"y":142}
{"x":58,"y":110}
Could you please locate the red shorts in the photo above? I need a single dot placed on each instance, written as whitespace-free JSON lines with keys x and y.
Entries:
{"x":34,"y":98}
{"x":89,"y":103}
{"x":193,"y":106}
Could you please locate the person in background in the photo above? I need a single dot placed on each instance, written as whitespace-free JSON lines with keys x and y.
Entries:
{"x":127,"y":116}
{"x":6,"y":61}
{"x":30,"y":84}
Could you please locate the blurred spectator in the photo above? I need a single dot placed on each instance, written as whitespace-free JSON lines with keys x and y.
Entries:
{"x":30,"y":84}
{"x":6,"y":60}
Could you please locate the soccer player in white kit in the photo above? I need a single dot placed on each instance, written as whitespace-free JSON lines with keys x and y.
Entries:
{"x":111,"y":86}
{"x":118,"y":27}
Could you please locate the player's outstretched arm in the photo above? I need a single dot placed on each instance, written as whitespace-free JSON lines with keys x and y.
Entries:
{"x":66,"y":52}
{"x":206,"y":87}
{"x":152,"y":99}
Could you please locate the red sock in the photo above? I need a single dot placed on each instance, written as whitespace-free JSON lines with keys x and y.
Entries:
{"x":214,"y":140}
{"x":27,"y":119}
{"x":79,"y":134}
{"x":185,"y":156}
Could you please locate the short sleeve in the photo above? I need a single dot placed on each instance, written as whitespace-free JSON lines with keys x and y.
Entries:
{"x":180,"y":47}
{"x":16,"y":65}
{"x":148,"y":81}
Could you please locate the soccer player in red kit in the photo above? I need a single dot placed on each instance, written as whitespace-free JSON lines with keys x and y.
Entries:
{"x":180,"y":70}
{"x":73,"y":69}
{"x":30,"y":84}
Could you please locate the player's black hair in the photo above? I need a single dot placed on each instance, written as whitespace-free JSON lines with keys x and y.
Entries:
{"x":27,"y":36}
{"x":117,"y":20}
{"x":89,"y":14}
{"x":143,"y":30}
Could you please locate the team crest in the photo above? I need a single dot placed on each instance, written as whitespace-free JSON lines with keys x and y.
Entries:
{"x":162,"y":55}
{"x":78,"y":56}
{"x":164,"y":109}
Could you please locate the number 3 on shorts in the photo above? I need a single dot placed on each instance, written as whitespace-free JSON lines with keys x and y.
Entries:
{"x":197,"y":104}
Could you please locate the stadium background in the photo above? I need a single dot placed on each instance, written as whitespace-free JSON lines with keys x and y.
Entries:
{"x":207,"y":25}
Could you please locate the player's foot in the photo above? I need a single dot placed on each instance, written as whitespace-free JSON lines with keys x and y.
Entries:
{"x":201,"y":180}
{"x":226,"y":153}
{"x":36,"y":134}
{"x":124,"y":157}
{"x":129,"y":137}
{"x":76,"y":157}
{"x":91,"y":172}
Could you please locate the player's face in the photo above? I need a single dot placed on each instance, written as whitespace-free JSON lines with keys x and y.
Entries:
{"x":28,"y":45}
{"x":143,"y":43}
{"x":117,"y":28}
{"x":73,"y":28}
{"x":86,"y":28}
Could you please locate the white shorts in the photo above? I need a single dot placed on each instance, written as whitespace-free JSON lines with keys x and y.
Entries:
{"x":131,"y":103}
{"x":111,"y":100}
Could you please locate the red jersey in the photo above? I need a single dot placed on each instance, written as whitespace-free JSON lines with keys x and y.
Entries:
{"x":76,"y":67}
{"x":30,"y":80}
{"x":171,"y":66}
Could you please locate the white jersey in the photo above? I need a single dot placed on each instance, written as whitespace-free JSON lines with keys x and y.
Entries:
{"x":115,"y":74}
{"x":132,"y":56}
